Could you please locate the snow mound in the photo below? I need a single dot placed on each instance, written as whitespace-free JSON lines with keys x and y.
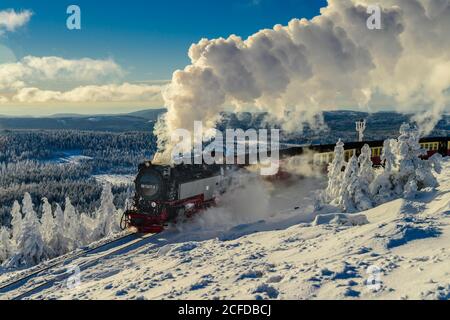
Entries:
{"x":340,"y":219}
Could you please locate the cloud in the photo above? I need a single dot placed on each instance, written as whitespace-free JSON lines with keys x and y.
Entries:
{"x":329,"y":62}
{"x":31,"y":70}
{"x":93,"y":93}
{"x":10,"y":20}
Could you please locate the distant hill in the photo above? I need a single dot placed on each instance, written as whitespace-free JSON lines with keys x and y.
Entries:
{"x":150,"y":114}
{"x":135,"y":121}
{"x":341,"y":124}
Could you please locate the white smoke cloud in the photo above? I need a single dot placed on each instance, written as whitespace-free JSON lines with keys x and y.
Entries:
{"x":330,"y":62}
{"x":10,"y":20}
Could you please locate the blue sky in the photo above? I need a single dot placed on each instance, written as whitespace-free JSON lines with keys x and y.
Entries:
{"x":149,"y":39}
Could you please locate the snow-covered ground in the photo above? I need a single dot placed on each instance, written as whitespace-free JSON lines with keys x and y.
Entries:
{"x":115,"y":179}
{"x":277,"y":247}
{"x":69,"y":156}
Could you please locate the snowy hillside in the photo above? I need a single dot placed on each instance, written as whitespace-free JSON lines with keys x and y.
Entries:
{"x":398,"y":250}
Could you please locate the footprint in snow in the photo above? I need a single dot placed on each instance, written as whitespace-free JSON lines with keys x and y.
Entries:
{"x":250,"y":275}
{"x":266,"y":289}
{"x":121,"y":293}
{"x":275,"y":279}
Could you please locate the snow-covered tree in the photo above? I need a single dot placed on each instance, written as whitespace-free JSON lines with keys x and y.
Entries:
{"x":71,"y":225}
{"x":366,"y":172}
{"x":404,"y":173}
{"x":107,"y":222}
{"x":366,"y":175}
{"x":388,"y":154}
{"x":6,"y":248}
{"x":84,"y":229}
{"x":353,"y":195}
{"x":30,"y":246}
{"x":350,"y":178}
{"x":409,"y":162}
{"x":335,"y":174}
{"x":59,"y":242}
{"x":47,"y":226}
{"x":410,"y":173}
{"x":383,"y":186}
{"x":16,"y":221}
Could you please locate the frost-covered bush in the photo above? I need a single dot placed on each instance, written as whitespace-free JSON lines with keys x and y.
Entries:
{"x":32,"y":240}
{"x":359,"y":187}
{"x":404,"y":172}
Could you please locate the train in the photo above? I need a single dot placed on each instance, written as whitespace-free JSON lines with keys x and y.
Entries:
{"x":164,"y":194}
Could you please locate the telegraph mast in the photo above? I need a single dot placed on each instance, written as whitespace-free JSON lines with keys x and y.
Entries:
{"x":360,"y":128}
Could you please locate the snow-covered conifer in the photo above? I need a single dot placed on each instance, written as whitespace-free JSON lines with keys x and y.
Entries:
{"x":59,"y":242}
{"x":412,"y":170}
{"x":349,"y":183}
{"x":107,"y":214}
{"x":71,"y":225}
{"x":30,"y":246}
{"x":366,"y":172}
{"x":16,"y":221}
{"x":6,"y":248}
{"x":47,"y":226}
{"x":335,"y":174}
{"x":388,"y":155}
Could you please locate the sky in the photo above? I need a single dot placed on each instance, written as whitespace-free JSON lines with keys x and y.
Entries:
{"x":125,"y":52}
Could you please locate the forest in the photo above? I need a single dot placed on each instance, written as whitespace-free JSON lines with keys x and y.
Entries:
{"x":56,"y":164}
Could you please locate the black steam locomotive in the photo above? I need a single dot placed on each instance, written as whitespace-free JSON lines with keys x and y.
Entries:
{"x":166,"y":193}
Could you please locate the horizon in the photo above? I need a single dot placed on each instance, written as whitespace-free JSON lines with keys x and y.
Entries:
{"x":138,"y":110}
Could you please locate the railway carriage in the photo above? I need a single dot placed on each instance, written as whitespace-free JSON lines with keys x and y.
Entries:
{"x":324,"y":154}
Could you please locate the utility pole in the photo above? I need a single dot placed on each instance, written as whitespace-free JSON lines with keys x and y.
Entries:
{"x":360,"y":128}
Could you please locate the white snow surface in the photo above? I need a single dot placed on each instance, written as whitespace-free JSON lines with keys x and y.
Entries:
{"x":115,"y":179}
{"x":279,"y":252}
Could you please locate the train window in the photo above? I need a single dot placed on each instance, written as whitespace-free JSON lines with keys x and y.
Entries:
{"x":348,"y":154}
{"x":376,"y":152}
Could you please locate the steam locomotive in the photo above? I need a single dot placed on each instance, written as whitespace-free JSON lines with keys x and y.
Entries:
{"x":167,"y":193}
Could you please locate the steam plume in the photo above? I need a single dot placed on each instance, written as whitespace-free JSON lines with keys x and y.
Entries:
{"x":330,"y":62}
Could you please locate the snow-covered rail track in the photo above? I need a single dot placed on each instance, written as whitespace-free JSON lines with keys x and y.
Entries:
{"x":17,"y":289}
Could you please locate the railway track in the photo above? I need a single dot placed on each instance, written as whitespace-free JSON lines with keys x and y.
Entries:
{"x":8,"y":288}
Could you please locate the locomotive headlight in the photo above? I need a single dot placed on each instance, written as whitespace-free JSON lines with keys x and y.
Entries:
{"x":153,"y":204}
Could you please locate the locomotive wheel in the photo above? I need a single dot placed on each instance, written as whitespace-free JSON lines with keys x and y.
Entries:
{"x":125,"y":221}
